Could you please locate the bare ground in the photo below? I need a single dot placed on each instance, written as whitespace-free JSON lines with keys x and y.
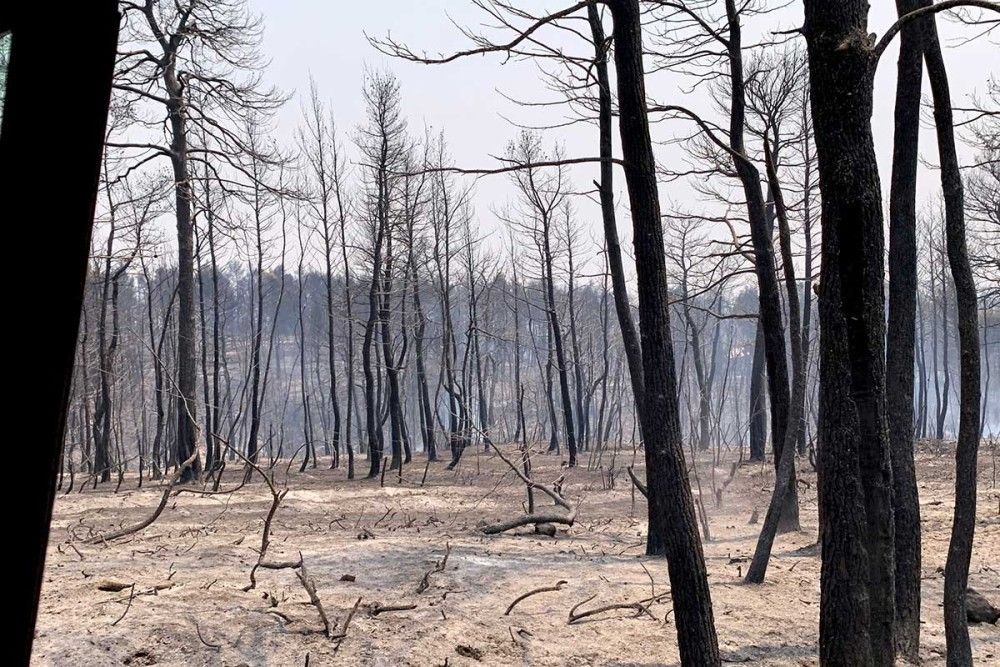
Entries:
{"x":189,"y":569}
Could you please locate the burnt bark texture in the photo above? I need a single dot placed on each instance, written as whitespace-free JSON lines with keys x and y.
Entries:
{"x":901,"y":331}
{"x":956,"y":571}
{"x":670,"y":492}
{"x":856,"y":585}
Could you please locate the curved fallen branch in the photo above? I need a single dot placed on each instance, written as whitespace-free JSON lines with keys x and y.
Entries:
{"x":640,"y":608}
{"x":544,"y":589}
{"x":114,"y":535}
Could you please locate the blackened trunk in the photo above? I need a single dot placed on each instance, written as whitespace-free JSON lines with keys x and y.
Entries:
{"x":185,"y":442}
{"x":764,"y":265}
{"x":956,"y":572}
{"x":557,"y":339}
{"x":670,"y":492}
{"x":758,"y":410}
{"x":901,"y":332}
{"x":856,"y":587}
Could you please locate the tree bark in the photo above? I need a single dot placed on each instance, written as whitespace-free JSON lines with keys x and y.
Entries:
{"x":857,"y":591}
{"x":956,"y":572}
{"x":901,"y":331}
{"x":670,"y":492}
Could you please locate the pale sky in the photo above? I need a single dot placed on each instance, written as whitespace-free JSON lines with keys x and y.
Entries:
{"x":326,"y":39}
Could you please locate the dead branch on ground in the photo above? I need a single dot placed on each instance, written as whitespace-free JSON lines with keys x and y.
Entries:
{"x":544,"y":589}
{"x":439,"y":566}
{"x":114,"y":535}
{"x":641,"y":607}
{"x":555,"y":493}
{"x":376,"y":608}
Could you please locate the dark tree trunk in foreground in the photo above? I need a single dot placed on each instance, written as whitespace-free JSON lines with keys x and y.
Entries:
{"x":901,"y":332}
{"x":956,"y":572}
{"x":856,"y":585}
{"x":623,"y":309}
{"x":670,"y":492}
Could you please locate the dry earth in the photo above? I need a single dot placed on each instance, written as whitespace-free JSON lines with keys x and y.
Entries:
{"x":189,"y":569}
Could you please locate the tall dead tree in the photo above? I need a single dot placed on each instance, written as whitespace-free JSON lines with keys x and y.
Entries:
{"x":956,"y":572}
{"x":381,"y":142}
{"x":318,"y":146}
{"x":178,"y":59}
{"x":544,"y":194}
{"x":901,"y":331}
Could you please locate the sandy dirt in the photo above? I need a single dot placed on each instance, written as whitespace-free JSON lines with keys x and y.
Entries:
{"x":189,"y":568}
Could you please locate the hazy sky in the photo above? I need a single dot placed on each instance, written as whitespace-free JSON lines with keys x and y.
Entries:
{"x":326,"y":39}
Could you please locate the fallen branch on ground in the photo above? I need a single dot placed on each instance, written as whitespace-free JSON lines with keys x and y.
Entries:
{"x":555,"y":493}
{"x":641,"y":607}
{"x":543,"y":589}
{"x":114,"y":535}
{"x":376,"y":608}
{"x":439,"y":566}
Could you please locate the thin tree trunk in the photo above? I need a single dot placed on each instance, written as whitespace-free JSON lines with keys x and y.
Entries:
{"x":956,"y":572}
{"x":670,"y":492}
{"x":901,"y":332}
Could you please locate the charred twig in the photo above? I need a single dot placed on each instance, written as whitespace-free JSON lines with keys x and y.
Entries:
{"x":641,"y":607}
{"x":544,"y":589}
{"x":376,"y":608}
{"x":265,"y":538}
{"x":280,"y":564}
{"x":310,"y":587}
{"x":131,"y":596}
{"x":347,"y":622}
{"x":197,"y":629}
{"x":439,"y":566}
{"x":276,"y":498}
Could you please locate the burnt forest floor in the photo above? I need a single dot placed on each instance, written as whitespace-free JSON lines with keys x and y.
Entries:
{"x":183,"y":601}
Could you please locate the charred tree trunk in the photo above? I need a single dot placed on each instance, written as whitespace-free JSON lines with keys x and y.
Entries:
{"x":901,"y":332}
{"x":670,"y":492}
{"x":185,"y":442}
{"x":857,"y":591}
{"x":758,"y":409}
{"x":764,"y":265}
{"x":557,"y":340}
{"x":956,"y":573}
